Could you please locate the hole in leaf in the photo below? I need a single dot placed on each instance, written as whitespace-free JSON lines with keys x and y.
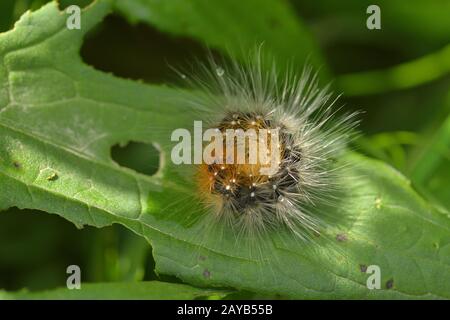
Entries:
{"x":139,"y":51}
{"x":140,"y":157}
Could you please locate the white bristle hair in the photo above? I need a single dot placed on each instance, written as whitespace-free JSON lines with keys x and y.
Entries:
{"x":316,"y":132}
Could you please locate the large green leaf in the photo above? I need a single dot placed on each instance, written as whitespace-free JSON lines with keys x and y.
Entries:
{"x":152,"y":290}
{"x":59,"y":117}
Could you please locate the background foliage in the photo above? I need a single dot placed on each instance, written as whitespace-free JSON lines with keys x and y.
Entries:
{"x":398,"y":76}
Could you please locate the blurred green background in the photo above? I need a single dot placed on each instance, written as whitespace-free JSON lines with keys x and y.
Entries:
{"x":399,"y":77}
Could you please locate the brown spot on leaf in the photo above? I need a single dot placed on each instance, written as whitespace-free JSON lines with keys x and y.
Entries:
{"x":17,"y":165}
{"x":389,"y":283}
{"x":363,"y":268}
{"x":341,"y":237}
{"x":206,"y":273}
{"x":202,"y":258}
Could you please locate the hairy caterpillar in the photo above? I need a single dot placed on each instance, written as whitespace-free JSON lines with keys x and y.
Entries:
{"x":311,"y":136}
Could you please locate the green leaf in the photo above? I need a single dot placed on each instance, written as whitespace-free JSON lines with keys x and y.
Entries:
{"x":431,"y":170}
{"x":152,"y":290}
{"x":59,"y":118}
{"x":231,"y":26}
{"x":388,"y":146}
{"x":405,"y":75}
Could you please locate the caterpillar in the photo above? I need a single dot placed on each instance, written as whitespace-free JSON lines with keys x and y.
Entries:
{"x":311,"y":135}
